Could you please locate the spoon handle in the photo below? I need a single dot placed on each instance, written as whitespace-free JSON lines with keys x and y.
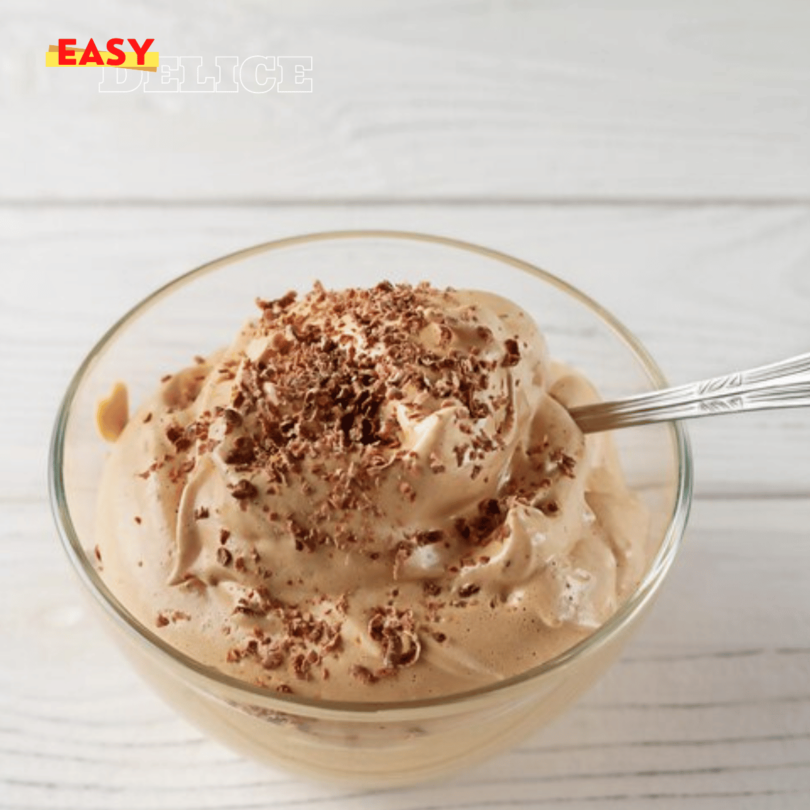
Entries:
{"x":785,"y":384}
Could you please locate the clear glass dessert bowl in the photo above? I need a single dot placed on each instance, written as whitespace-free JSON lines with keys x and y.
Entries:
{"x":390,"y":743}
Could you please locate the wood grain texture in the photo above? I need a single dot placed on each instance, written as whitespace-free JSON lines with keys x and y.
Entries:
{"x":624,"y":101}
{"x":709,"y":707}
{"x":655,"y":154}
{"x":708,"y":290}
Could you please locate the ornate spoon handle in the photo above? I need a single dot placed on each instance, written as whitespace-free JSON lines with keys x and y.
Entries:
{"x":785,"y":384}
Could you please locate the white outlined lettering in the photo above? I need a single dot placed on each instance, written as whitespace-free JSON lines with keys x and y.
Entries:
{"x":294,"y":77}
{"x":249,"y":74}
{"x":228,"y":74}
{"x":168,"y":78}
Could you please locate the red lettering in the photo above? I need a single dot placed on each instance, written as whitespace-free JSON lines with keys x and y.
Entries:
{"x":141,"y":50}
{"x":91,"y":55}
{"x":67,"y":56}
{"x":120,"y":56}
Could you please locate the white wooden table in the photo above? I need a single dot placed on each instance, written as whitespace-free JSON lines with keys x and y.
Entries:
{"x":657,"y":155}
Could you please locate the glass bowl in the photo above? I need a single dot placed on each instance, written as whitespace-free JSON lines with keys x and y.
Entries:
{"x":379,"y":744}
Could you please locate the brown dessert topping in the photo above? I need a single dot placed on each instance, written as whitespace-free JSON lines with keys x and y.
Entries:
{"x":395,"y":631}
{"x":564,"y":462}
{"x":512,"y":353}
{"x":335,"y":379}
{"x":244,"y":490}
{"x":335,"y":388}
{"x":177,"y":436}
{"x":363,"y":674}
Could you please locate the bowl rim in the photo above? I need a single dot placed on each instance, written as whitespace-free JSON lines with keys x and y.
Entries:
{"x":87,"y":572}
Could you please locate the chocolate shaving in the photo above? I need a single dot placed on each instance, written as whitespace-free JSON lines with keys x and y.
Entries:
{"x":431,"y":588}
{"x":512,"y":353}
{"x":242,"y":452}
{"x":244,"y":490}
{"x":177,"y":436}
{"x":429,"y":537}
{"x":232,"y":419}
{"x":565,"y":463}
{"x":301,"y":666}
{"x":395,"y":631}
{"x":363,"y":674}
{"x":436,"y":464}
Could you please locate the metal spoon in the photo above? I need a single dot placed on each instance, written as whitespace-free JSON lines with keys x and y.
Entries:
{"x":785,"y":384}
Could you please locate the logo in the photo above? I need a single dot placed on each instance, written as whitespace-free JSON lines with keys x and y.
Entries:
{"x":147,"y":71}
{"x":66,"y":54}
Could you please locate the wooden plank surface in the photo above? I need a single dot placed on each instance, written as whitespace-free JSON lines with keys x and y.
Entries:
{"x":710,"y":704}
{"x":709,"y":707}
{"x":708,"y":290}
{"x":456,"y":99}
{"x":655,"y":154}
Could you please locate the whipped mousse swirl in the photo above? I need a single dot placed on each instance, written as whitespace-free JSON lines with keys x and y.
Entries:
{"x":372,"y":494}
